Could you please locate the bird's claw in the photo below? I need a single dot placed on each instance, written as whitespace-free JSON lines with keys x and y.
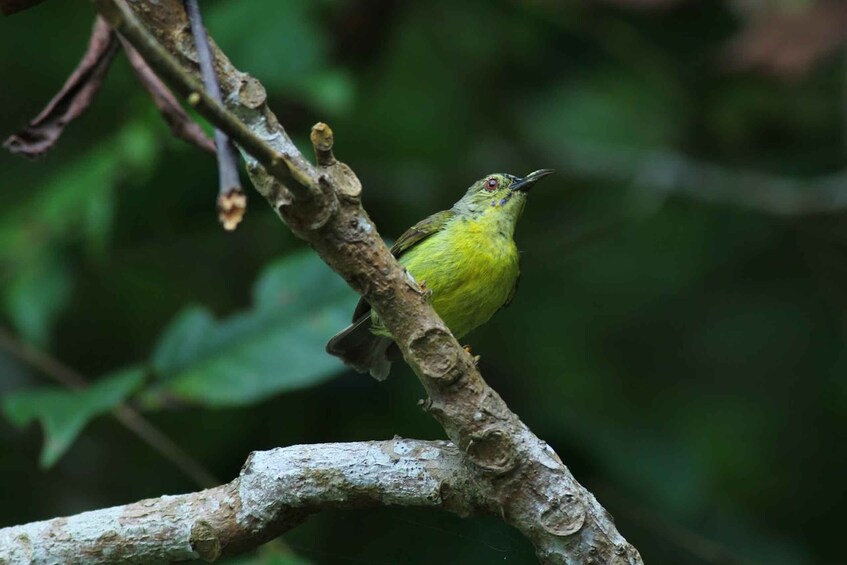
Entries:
{"x":419,"y":287}
{"x":475,"y":358}
{"x":425,"y":291}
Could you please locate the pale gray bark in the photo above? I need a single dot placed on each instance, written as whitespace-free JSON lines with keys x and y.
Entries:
{"x":505,"y":468}
{"x":275,"y":491}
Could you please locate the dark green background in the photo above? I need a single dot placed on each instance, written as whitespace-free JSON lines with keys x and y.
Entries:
{"x":684,"y":354}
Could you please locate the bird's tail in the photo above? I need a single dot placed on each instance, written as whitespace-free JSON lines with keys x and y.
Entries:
{"x":363,"y":350}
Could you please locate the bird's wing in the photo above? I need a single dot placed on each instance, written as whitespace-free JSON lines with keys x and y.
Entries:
{"x":421,"y":231}
{"x":413,"y":235}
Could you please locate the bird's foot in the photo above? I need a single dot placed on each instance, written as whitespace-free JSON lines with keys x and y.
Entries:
{"x":425,"y":291}
{"x":420,"y":287}
{"x":475,"y":358}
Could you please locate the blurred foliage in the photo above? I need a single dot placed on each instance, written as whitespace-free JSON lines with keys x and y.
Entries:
{"x":685,"y":357}
{"x":273,"y":553}
{"x":75,"y":204}
{"x":63,"y":414}
{"x":296,"y":302}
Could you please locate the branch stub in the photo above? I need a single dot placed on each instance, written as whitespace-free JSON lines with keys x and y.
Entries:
{"x":433,"y":353}
{"x":251,"y":93}
{"x":564,"y":516}
{"x":205,"y":541}
{"x":493,"y":451}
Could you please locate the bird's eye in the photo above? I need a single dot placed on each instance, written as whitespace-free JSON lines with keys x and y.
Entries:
{"x":491,"y":184}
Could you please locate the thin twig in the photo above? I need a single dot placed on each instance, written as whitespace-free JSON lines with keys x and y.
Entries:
{"x":178,"y":119}
{"x":167,"y":448}
{"x":41,"y":361}
{"x":513,"y":471}
{"x":130,"y":418}
{"x":277,"y":164}
{"x":231,"y":198}
{"x":668,"y":173}
{"x":72,"y":100}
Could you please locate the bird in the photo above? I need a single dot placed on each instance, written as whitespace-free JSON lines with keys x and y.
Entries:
{"x":464,"y":258}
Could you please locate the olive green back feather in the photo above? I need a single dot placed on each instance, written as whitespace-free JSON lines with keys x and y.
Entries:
{"x":420,"y":231}
{"x":415,"y":234}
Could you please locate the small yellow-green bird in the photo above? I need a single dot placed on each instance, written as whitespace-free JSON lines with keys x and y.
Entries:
{"x":465,"y":256}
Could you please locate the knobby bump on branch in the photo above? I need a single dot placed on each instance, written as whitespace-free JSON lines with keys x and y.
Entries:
{"x":507,"y":470}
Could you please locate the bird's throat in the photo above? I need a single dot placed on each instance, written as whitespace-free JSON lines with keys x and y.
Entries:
{"x":497,"y":219}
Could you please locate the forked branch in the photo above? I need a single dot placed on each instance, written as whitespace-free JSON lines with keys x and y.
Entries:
{"x":275,"y":491}
{"x":506,"y":468}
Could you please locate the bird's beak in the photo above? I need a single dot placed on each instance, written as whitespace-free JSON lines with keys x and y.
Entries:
{"x":529,"y":181}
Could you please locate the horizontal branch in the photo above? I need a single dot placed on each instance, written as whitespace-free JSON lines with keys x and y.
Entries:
{"x":277,"y":162}
{"x":674,"y":174}
{"x":275,"y":491}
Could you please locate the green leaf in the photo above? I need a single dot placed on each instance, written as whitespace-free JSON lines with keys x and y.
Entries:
{"x":606,"y":108}
{"x":63,"y":414}
{"x":36,"y":295}
{"x":276,"y":346}
{"x":331,"y":91}
{"x":182,"y":339}
{"x":74,"y":206}
{"x":287,"y":48}
{"x":79,"y":198}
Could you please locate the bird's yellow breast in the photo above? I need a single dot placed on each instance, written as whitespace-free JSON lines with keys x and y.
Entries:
{"x":471,"y":267}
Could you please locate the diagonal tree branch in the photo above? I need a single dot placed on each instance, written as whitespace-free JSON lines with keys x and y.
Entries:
{"x":275,"y":491}
{"x":282,"y":160}
{"x":514,"y":472}
{"x":181,"y":124}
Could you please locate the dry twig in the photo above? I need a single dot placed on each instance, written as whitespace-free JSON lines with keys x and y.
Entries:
{"x":181,"y":124}
{"x":506,"y":469}
{"x":130,"y":418}
{"x":74,"y":98}
{"x":232,"y":202}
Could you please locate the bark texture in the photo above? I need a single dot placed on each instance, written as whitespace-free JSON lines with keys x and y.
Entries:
{"x":274,"y":492}
{"x":506,"y":468}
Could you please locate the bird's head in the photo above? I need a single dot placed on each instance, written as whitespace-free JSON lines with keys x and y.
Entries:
{"x":499,"y":194}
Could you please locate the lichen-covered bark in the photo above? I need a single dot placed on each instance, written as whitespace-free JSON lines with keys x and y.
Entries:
{"x":274,"y":492}
{"x":514,"y":473}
